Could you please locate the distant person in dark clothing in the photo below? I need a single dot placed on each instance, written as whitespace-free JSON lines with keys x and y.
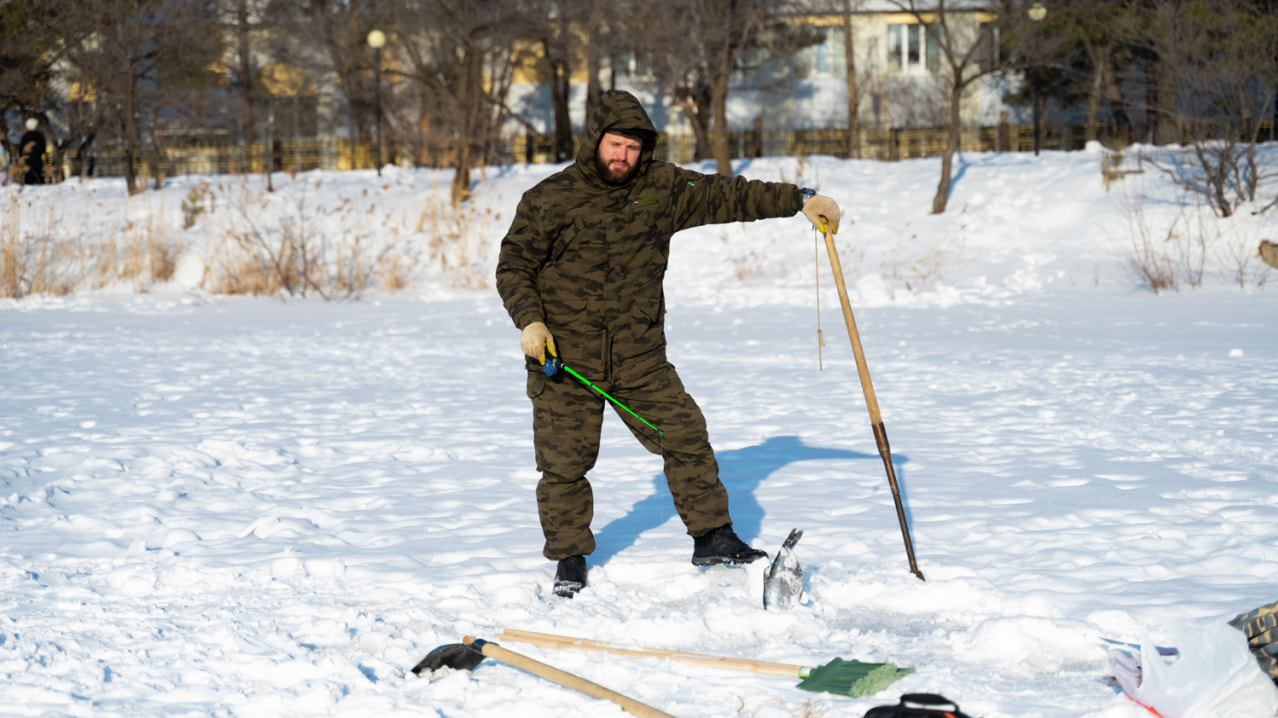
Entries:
{"x":31,"y":153}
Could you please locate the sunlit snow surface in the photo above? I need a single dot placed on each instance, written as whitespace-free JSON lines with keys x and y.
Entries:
{"x":231,"y":506}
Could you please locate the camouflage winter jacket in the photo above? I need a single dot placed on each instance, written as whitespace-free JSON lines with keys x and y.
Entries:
{"x":588,"y":258}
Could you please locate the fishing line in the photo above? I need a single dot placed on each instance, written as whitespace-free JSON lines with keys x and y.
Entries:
{"x":816,"y":271}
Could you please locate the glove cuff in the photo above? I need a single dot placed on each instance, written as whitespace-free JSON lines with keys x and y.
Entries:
{"x":808,"y":194}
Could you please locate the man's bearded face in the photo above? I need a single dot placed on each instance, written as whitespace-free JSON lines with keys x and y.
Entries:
{"x":617,"y":158}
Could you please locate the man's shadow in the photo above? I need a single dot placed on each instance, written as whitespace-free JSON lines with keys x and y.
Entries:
{"x":741,"y":471}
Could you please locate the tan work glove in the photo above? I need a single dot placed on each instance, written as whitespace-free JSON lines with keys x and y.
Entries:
{"x":821,"y":209}
{"x":1269,"y":253}
{"x":535,"y":340}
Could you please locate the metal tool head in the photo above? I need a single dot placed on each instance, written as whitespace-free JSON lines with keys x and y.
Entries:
{"x":462,"y":656}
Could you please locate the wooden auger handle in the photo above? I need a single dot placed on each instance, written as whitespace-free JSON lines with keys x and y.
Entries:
{"x":564,"y":678}
{"x":549,"y":640}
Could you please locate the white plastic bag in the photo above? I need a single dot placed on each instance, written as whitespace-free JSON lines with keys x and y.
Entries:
{"x":1212,"y":675}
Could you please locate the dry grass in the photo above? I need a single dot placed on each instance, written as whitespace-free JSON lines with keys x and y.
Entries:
{"x":143,"y":254}
{"x":53,"y":251}
{"x":258,"y":258}
{"x":1191,"y":245}
{"x":194,"y":204}
{"x":272,"y":248}
{"x":1183,"y":251}
{"x":252,"y":241}
{"x":394,"y":271}
{"x":34,"y":261}
{"x":446,"y":228}
{"x":1148,"y":258}
{"x":1243,"y":264}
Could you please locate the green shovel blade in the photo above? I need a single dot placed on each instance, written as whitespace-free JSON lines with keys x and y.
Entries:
{"x":852,"y":678}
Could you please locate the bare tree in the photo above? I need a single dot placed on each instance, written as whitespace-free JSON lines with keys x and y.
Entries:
{"x":331,"y":36}
{"x":558,"y":35}
{"x":698,"y":46}
{"x":245,"y":23}
{"x":1091,"y":36}
{"x":597,"y":22}
{"x":1158,"y":28}
{"x":35,"y":41}
{"x":30,"y":47}
{"x":959,"y":38}
{"x":853,"y":87}
{"x":1223,"y":56}
{"x":144,"y":65}
{"x":461,"y":53}
{"x":576,"y":35}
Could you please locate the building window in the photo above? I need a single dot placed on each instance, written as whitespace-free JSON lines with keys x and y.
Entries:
{"x":910,"y":49}
{"x":989,"y":54}
{"x":630,"y":66}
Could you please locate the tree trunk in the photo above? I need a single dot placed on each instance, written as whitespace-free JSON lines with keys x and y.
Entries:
{"x":1117,"y":105}
{"x":853,"y":149}
{"x":1094,"y":90}
{"x":722,"y":75}
{"x":130,"y":133}
{"x":942,"y":197}
{"x":722,"y":151}
{"x":1273,"y":124}
{"x":560,"y":86}
{"x":695,"y":103}
{"x":594,"y":59}
{"x":469,"y":107}
{"x":245,"y":72}
{"x":1163,"y":105}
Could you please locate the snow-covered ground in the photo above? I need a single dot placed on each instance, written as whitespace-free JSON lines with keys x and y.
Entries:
{"x":231,"y":506}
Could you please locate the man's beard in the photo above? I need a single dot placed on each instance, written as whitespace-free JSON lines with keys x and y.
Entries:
{"x":615,"y":176}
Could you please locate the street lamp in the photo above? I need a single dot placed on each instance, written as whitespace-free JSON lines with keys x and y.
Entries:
{"x":1036,"y":13}
{"x":377,"y":40}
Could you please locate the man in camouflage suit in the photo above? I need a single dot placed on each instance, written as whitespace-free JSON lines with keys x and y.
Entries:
{"x":580,"y":272}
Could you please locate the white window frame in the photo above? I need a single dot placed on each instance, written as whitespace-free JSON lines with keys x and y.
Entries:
{"x":910,"y":49}
{"x":631,"y":66}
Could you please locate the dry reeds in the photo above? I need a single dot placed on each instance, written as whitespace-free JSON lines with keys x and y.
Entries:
{"x":31,"y":259}
{"x":272,"y":249}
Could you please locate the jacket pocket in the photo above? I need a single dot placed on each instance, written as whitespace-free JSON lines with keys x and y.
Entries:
{"x":536,"y":384}
{"x":650,"y":301}
{"x":568,"y":236}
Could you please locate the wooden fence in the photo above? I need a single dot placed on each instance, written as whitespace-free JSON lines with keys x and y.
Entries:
{"x":299,"y":156}
{"x":887,"y":145}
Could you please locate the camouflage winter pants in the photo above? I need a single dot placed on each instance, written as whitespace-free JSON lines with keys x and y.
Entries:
{"x":567,"y":417}
{"x":1261,"y":628}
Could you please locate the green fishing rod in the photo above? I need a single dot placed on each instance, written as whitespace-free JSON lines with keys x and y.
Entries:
{"x":554,"y":364}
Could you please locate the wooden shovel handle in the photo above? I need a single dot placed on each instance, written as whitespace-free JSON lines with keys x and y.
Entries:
{"x":867,"y":388}
{"x":547,"y":640}
{"x":871,"y":403}
{"x":568,"y":680}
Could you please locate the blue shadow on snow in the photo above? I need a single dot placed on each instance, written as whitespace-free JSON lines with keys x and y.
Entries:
{"x":741,"y":471}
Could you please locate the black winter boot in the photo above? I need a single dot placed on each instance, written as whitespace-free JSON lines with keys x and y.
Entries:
{"x":570,"y":577}
{"x":721,"y":545}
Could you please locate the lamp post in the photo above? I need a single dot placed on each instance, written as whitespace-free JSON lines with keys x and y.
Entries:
{"x":1036,"y":13}
{"x":377,"y":40}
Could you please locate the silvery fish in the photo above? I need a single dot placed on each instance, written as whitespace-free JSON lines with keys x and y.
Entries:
{"x":783,"y":583}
